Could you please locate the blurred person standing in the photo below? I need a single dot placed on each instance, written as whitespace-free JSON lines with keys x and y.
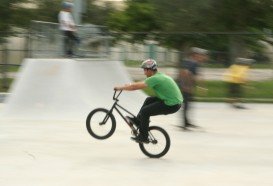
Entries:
{"x":236,"y":77}
{"x":188,"y":78}
{"x":68,"y":27}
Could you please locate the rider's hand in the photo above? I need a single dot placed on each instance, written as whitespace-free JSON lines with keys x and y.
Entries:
{"x":117,"y":88}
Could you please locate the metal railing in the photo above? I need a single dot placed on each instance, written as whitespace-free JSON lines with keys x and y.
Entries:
{"x":46,"y":41}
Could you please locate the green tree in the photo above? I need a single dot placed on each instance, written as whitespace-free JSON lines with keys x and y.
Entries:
{"x":48,"y":10}
{"x":212,"y":16}
{"x":95,"y":14}
{"x":241,"y":16}
{"x":9,"y":16}
{"x":138,"y":17}
{"x":180,"y":24}
{"x":194,"y":16}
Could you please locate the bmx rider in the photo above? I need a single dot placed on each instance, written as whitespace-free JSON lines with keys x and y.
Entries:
{"x":167,"y":99}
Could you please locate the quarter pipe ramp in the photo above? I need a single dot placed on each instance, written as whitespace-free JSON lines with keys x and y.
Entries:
{"x":67,"y":89}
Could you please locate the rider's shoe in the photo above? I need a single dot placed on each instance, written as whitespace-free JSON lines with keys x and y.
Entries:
{"x":132,"y":120}
{"x":239,"y":107}
{"x":184,"y":128}
{"x":140,"y":139}
{"x":188,"y":125}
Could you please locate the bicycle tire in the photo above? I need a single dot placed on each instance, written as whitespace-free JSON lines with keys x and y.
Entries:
{"x":154,"y":133}
{"x":92,"y":122}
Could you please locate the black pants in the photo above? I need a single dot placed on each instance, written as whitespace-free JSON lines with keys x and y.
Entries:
{"x":69,"y":42}
{"x":153,"y":106}
{"x":186,"y":106}
{"x":235,"y":90}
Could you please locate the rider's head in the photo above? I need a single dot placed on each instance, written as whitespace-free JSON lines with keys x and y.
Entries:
{"x":198,"y":54}
{"x":67,"y":6}
{"x":149,"y":64}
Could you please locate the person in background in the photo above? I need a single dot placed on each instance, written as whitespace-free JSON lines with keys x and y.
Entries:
{"x":168,"y":98}
{"x":188,"y":78}
{"x":236,"y":77}
{"x":68,"y":27}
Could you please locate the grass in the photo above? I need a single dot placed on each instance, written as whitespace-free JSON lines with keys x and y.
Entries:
{"x":262,"y":66}
{"x":253,"y":66}
{"x":5,"y":84}
{"x":217,"y":90}
{"x":9,"y":68}
{"x":254,"y":89}
{"x":261,"y":91}
{"x":134,"y":63}
{"x":13,"y":68}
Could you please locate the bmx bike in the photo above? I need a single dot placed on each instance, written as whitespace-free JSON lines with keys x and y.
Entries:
{"x":101,"y":124}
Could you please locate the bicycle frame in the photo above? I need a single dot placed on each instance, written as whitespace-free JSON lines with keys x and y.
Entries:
{"x":117,"y":107}
{"x":157,"y":144}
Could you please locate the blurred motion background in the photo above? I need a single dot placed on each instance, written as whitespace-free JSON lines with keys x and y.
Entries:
{"x":132,"y":30}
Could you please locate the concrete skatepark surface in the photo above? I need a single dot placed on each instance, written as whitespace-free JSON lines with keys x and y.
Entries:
{"x":233,"y":148}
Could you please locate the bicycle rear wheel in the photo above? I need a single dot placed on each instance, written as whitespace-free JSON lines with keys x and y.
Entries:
{"x":159,"y":143}
{"x":100,"y":123}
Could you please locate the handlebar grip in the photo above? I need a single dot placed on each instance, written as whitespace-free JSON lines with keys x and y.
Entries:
{"x":115,"y":96}
{"x":115,"y":91}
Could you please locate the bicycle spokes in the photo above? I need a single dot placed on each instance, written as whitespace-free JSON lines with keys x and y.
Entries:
{"x":100,"y":123}
{"x":159,"y":143}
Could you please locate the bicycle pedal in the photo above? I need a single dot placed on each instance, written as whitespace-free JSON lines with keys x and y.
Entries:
{"x":133,"y":139}
{"x":134,"y":132}
{"x":140,"y":141}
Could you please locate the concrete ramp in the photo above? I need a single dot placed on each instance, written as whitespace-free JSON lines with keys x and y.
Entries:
{"x":66,"y":89}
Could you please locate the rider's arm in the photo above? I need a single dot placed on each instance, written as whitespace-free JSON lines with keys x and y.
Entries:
{"x":132,"y":86}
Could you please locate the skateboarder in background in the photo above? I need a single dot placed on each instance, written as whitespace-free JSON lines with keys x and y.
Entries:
{"x":236,"y":77}
{"x":188,"y":80}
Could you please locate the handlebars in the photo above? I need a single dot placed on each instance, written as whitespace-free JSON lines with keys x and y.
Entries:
{"x":116,"y":94}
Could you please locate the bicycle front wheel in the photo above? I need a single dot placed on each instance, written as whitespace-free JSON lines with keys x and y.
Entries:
{"x":100,"y":123}
{"x":159,"y":143}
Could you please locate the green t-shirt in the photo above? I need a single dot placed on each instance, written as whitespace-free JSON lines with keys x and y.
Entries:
{"x":165,"y":88}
